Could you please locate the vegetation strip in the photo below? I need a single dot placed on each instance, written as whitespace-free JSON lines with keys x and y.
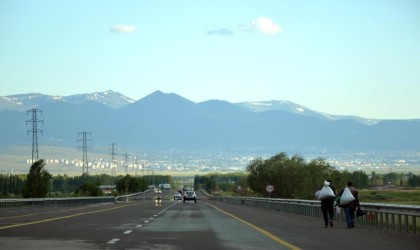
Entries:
{"x":268,"y":234}
{"x":67,"y":216}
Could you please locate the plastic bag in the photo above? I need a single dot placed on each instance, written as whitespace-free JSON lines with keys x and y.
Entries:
{"x":317,"y":194}
{"x":338,"y":210}
{"x":346,"y":197}
{"x":360,"y":212}
{"x":325,"y":193}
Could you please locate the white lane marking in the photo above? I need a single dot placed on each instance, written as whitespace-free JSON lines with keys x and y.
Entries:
{"x":113,"y":241}
{"x":146,"y":221}
{"x":155,"y":215}
{"x":151,"y":218}
{"x":139,"y":225}
{"x":128,"y":231}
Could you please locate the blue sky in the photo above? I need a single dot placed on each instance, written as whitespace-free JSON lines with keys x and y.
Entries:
{"x":339,"y":57}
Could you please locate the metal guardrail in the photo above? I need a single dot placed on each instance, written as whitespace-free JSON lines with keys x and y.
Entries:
{"x":63,"y":201}
{"x":400,"y":218}
{"x":54,"y":201}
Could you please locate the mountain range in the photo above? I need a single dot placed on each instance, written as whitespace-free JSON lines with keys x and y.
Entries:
{"x":167,"y":120}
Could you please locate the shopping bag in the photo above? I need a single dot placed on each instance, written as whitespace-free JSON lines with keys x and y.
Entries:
{"x":360,"y":212}
{"x":346,"y":197}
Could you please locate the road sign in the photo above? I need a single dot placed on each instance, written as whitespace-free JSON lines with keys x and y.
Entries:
{"x":269,"y":188}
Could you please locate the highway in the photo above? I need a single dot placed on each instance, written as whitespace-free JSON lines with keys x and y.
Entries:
{"x":143,"y":222}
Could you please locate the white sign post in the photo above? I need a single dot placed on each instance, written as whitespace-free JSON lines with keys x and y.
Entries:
{"x":269,"y":189}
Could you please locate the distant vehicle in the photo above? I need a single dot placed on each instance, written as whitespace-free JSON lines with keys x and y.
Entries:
{"x":190,"y":195}
{"x":165,"y":186}
{"x":177,"y":196}
{"x":158,"y":191}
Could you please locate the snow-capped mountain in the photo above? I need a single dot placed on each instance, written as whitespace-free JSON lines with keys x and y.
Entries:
{"x":295,"y":108}
{"x":22,"y":102}
{"x":162,"y":121}
{"x":109,"y":98}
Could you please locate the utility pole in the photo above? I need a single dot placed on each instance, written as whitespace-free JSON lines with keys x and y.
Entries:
{"x":34,"y":131}
{"x":84,"y":147}
{"x":126,"y":155}
{"x":113,"y":154}
{"x":136,"y":163}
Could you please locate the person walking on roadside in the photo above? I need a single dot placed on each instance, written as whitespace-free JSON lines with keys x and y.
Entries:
{"x":327,"y":207}
{"x":350,"y":207}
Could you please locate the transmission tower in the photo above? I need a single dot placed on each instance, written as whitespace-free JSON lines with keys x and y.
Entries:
{"x":126,"y":155}
{"x":34,"y":131}
{"x":113,"y":154}
{"x":84,"y":147}
{"x":136,"y":164}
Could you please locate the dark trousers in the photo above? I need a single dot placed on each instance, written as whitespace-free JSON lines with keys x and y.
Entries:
{"x":327,"y":208}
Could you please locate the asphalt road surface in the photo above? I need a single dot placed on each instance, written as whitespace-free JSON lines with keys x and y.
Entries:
{"x":149,"y":223}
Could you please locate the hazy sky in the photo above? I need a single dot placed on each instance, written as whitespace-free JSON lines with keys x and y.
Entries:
{"x":339,"y":57}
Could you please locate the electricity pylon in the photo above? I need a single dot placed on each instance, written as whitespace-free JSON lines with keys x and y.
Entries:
{"x":84,"y":147}
{"x":34,"y":131}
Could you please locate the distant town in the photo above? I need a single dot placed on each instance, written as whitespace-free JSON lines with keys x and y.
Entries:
{"x":221,"y":161}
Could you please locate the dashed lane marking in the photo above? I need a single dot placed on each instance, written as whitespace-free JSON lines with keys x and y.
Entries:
{"x":113,"y":241}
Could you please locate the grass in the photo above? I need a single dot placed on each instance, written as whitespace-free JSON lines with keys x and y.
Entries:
{"x":400,"y":196}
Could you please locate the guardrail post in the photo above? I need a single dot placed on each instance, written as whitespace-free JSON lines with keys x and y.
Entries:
{"x":399,"y":223}
{"x":394,"y":228}
{"x":414,"y":224}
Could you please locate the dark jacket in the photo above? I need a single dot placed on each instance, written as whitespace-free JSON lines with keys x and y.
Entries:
{"x":331,"y":199}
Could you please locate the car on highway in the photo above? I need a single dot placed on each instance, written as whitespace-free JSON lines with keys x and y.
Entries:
{"x":190,"y":195}
{"x":158,"y":191}
{"x":177,"y":196}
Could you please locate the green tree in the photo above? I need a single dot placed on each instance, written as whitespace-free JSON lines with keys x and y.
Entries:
{"x":376,"y":180}
{"x":292,"y":178}
{"x":413,"y":180}
{"x":37,"y":184}
{"x":123,"y":184}
{"x":89,"y":189}
{"x":313,"y":176}
{"x":360,"y":179}
{"x":258,"y":176}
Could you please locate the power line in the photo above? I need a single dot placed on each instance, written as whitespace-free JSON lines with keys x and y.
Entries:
{"x":84,"y":147}
{"x":34,"y":131}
